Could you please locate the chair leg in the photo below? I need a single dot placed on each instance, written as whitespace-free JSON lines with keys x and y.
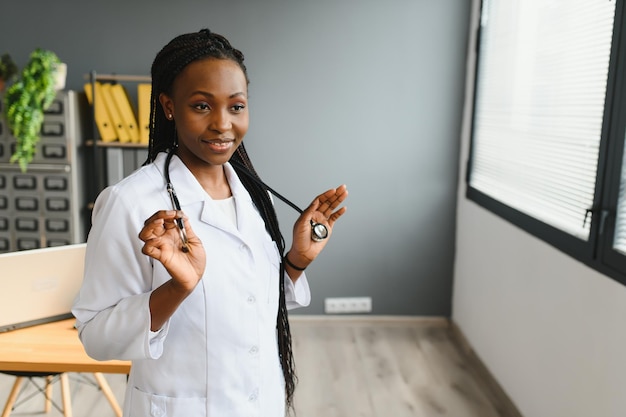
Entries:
{"x":65,"y":393}
{"x":106,"y":390}
{"x":48,"y":392}
{"x":12,"y":396}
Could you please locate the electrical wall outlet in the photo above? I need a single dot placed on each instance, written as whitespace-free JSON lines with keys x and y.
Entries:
{"x":348,"y":305}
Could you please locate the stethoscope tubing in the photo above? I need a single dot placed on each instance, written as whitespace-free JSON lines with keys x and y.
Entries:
{"x":319,"y":231}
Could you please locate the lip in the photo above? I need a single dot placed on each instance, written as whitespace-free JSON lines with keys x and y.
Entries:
{"x":219,"y":145}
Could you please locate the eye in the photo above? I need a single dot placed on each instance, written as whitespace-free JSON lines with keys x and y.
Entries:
{"x":201,"y":106}
{"x":237,"y":108}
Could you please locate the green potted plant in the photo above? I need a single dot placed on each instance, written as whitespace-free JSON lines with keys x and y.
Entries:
{"x":27,"y":99}
{"x":8,"y":69}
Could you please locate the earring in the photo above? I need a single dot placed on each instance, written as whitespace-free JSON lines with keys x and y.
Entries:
{"x":169,"y":116}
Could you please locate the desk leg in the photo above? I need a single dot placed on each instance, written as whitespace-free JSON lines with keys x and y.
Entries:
{"x":106,"y":390}
{"x":65,"y":392}
{"x":13,"y":396}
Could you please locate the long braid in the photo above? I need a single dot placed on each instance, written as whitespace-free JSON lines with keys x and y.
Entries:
{"x":169,"y":62}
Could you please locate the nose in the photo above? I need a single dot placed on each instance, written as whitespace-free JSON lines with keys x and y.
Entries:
{"x":220,"y":121}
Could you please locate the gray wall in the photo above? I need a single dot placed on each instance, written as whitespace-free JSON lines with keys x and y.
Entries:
{"x":367,"y":93}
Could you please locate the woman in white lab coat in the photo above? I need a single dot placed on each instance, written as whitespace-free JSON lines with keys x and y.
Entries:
{"x":186,"y":273}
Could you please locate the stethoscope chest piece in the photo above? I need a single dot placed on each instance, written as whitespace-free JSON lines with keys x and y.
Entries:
{"x":319,"y":232}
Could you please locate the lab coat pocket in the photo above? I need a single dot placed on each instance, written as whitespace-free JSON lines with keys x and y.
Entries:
{"x":144,"y":404}
{"x":273,"y":257}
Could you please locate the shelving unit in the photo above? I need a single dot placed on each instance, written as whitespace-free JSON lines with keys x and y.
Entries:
{"x":110,"y":161}
{"x":42,"y":207}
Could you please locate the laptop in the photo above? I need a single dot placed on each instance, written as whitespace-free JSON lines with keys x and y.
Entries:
{"x":39,"y":286}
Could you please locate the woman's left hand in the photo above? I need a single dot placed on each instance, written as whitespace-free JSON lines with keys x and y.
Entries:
{"x":324,"y":209}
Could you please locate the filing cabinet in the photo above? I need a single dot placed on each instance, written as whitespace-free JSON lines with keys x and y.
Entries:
{"x":42,"y":206}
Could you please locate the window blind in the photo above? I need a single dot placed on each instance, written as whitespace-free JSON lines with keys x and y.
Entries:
{"x":619,"y":237}
{"x":540,"y":92}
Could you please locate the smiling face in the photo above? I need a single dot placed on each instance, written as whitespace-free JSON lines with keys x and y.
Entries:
{"x":209,"y":104}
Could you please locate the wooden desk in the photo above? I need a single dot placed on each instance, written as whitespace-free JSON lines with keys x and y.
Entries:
{"x":54,"y":347}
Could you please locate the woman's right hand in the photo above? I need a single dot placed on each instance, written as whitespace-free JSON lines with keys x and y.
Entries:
{"x":162,"y":242}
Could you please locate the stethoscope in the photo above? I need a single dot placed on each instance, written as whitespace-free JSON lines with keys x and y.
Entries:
{"x":319,"y":231}
{"x":175,"y":203}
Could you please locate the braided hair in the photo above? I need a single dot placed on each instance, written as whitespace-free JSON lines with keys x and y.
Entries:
{"x":169,"y":62}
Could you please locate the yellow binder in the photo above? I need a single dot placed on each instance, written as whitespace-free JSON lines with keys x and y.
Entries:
{"x":143,"y":111}
{"x":120,"y":128}
{"x":120,"y":97}
{"x":103,"y":121}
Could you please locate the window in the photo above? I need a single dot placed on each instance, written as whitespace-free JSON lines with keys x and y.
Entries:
{"x":548,"y":131}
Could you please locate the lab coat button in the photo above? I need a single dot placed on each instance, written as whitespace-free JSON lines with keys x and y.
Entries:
{"x":254,"y":350}
{"x":251,"y":299}
{"x":252,"y":397}
{"x":156,"y":411}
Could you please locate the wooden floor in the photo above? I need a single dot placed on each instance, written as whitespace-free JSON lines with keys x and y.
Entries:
{"x":348,"y":367}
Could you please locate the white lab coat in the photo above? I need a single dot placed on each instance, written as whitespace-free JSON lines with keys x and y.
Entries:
{"x":218,"y":355}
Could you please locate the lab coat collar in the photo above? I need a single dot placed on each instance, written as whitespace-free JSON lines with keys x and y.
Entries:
{"x":189,"y":191}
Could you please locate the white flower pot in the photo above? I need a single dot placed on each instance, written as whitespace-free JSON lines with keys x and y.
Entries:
{"x":61,"y":76}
